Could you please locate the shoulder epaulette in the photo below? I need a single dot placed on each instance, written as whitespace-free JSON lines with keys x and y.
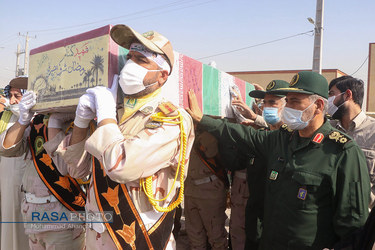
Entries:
{"x":339,"y":137}
{"x":167,"y":108}
{"x":285,"y":127}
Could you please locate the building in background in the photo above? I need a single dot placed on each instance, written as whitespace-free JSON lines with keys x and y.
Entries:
{"x":264,"y":77}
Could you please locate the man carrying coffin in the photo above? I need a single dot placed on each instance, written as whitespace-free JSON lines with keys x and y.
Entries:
{"x":138,"y":154}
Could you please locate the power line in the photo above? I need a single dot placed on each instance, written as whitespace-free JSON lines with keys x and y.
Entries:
{"x":177,"y":3}
{"x":7,"y":39}
{"x":360,"y":66}
{"x":259,"y":44}
{"x":127,"y":19}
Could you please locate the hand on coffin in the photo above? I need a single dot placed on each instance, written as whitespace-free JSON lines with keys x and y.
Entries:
{"x":244,"y":109}
{"x":57,"y":120}
{"x":85,"y":111}
{"x":27,"y":102}
{"x":258,"y":87}
{"x":194,"y":110}
{"x":105,"y":100}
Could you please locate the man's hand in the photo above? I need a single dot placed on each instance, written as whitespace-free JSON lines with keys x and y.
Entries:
{"x":248,"y":122}
{"x":27,"y":102}
{"x":105,"y":101}
{"x":85,"y":111}
{"x":258,"y":87}
{"x":56,"y":122}
{"x":244,"y":109}
{"x":194,"y":110}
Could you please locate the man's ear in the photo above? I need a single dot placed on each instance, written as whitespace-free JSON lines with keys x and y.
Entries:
{"x":349,"y":94}
{"x":319,"y":105}
{"x":163,"y":77}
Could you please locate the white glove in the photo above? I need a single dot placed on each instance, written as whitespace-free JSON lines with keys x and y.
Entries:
{"x":105,"y":100}
{"x":57,"y":120}
{"x":27,"y":102}
{"x":85,"y":111}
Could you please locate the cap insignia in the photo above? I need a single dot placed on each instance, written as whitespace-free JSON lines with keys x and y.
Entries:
{"x":294,"y":80}
{"x":148,"y":34}
{"x":271,"y":85}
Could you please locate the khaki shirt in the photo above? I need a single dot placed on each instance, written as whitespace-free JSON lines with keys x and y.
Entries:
{"x":362,"y":130}
{"x":130,"y":151}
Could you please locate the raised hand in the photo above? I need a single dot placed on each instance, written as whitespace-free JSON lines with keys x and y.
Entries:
{"x":27,"y":102}
{"x":105,"y":100}
{"x":194,"y":110}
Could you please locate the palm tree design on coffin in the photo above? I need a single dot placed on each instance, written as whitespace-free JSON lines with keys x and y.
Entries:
{"x":97,"y":65}
{"x":86,"y":78}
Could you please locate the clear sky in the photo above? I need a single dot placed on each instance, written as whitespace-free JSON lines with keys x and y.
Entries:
{"x":201,"y":28}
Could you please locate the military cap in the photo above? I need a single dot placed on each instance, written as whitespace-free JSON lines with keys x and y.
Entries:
{"x":272,"y":86}
{"x":307,"y":82}
{"x":124,"y":36}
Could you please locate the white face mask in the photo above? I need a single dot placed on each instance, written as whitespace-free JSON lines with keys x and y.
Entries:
{"x":15,"y":109}
{"x":131,"y":78}
{"x":293,"y":118}
{"x":332,"y":108}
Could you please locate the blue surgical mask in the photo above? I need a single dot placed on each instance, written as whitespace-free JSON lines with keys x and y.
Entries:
{"x":293,"y":118}
{"x":271,"y":115}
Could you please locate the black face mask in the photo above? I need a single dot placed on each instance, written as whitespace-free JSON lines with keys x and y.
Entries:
{"x":341,"y":111}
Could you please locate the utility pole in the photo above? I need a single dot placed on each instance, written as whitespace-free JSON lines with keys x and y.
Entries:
{"x":23,"y":71}
{"x":318,"y":38}
{"x":18,"y":53}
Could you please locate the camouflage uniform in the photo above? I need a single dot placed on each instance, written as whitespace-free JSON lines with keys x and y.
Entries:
{"x":205,"y":199}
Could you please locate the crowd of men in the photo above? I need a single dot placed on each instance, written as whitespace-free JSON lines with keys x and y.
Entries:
{"x":298,"y":166}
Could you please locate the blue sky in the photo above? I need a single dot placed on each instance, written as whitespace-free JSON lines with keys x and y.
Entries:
{"x":201,"y":28}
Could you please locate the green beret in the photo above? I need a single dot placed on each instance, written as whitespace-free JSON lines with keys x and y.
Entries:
{"x":307,"y":82}
{"x":272,"y":86}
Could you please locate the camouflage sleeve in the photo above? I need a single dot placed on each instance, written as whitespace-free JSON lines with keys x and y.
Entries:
{"x":76,"y":160}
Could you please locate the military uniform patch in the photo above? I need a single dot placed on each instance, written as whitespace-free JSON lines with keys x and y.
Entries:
{"x":302,"y":192}
{"x":318,"y":138}
{"x":147,"y":110}
{"x":285,"y":127}
{"x":167,"y":108}
{"x":153,"y":124}
{"x":338,"y":137}
{"x":273,"y":175}
{"x":130,"y":103}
